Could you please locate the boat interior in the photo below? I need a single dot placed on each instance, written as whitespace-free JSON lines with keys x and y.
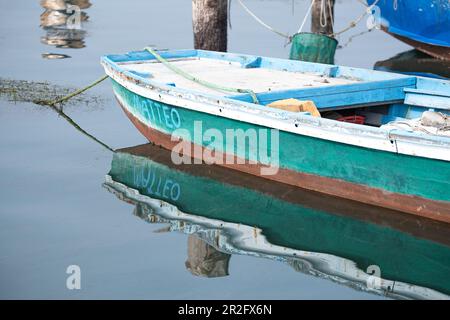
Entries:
{"x":359,"y":96}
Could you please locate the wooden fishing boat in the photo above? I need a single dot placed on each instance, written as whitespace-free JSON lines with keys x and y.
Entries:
{"x":400,"y":169}
{"x":336,"y":239}
{"x":423,"y":24}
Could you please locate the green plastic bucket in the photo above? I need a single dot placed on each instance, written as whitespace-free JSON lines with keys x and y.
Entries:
{"x":313,"y":47}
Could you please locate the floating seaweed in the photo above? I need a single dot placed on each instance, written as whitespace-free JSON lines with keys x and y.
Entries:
{"x":41,"y":92}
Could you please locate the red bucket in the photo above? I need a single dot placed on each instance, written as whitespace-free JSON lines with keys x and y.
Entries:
{"x":353,"y":119}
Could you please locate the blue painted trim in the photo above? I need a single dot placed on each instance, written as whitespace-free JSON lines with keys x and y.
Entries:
{"x":253,"y":64}
{"x":145,"y":55}
{"x":403,"y":111}
{"x":435,"y":85}
{"x":341,"y":95}
{"x":428,"y":92}
{"x":334,"y":71}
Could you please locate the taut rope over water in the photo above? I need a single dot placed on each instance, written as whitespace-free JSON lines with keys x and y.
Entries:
{"x":80,"y":129}
{"x":282,"y":34}
{"x":52,"y":104}
{"x":70,"y":96}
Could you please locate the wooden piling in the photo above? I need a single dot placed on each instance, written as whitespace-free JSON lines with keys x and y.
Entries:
{"x":322,"y":25}
{"x":210,"y":27}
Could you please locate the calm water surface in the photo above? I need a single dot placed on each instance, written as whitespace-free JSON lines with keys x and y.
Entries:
{"x":54,"y":211}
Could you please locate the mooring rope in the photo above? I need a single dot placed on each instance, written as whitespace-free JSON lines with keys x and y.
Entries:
{"x":306,"y":16}
{"x":323,"y":14}
{"x":331,"y":13}
{"x":71,"y":95}
{"x":200,"y":81}
{"x":356,"y":21}
{"x":354,"y":36}
{"x":80,"y":129}
{"x":282,"y":34}
{"x":52,"y":104}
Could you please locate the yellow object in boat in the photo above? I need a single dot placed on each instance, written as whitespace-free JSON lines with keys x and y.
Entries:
{"x":294,"y":105}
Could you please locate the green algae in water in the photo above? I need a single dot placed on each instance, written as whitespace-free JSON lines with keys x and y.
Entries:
{"x":42,"y":92}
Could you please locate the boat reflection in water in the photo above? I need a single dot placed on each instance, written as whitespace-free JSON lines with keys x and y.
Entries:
{"x":61,"y":21}
{"x":415,"y":62}
{"x":226,"y":212}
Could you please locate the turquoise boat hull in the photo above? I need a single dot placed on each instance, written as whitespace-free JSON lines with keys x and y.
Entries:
{"x":411,"y":187}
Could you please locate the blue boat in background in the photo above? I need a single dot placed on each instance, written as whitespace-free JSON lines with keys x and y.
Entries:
{"x":423,"y":24}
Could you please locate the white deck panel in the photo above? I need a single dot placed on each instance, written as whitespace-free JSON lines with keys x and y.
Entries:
{"x":233,"y":75}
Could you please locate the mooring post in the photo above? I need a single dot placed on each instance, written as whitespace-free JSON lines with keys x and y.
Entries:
{"x":322,"y":17}
{"x":210,"y":18}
